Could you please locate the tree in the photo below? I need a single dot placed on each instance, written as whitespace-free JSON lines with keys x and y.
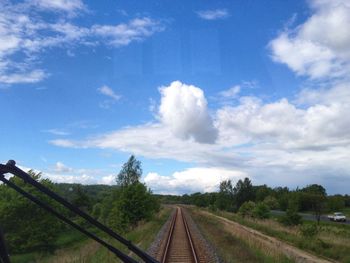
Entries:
{"x":225,"y":199}
{"x":80,"y":198}
{"x":313,"y":197}
{"x":261,"y":192}
{"x":335,"y":203}
{"x":282,"y":195}
{"x":27,"y":226}
{"x":243,"y":191}
{"x":246,"y":209}
{"x":132,"y":201}
{"x":130,"y":173}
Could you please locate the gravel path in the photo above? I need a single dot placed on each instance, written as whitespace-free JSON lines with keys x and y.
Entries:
{"x":245,"y":232}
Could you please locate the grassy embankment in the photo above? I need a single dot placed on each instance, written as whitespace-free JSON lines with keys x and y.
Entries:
{"x":76,"y":248}
{"x":231,"y":248}
{"x":332,"y":241}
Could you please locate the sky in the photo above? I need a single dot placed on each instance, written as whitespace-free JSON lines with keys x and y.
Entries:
{"x":200,"y":91}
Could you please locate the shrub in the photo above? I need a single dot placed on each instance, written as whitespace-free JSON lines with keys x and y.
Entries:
{"x":309,"y":230}
{"x":27,"y":226}
{"x":261,"y":211}
{"x":246,"y":209}
{"x":271,"y":202}
{"x":291,"y":218}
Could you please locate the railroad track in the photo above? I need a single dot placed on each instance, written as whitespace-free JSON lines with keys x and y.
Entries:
{"x":179,"y":244}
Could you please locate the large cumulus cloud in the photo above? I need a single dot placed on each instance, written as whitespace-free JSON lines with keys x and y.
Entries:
{"x":184,"y":109}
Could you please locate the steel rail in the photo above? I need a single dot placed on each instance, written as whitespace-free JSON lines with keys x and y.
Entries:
{"x":189,"y":236}
{"x":167,"y":248}
{"x":169,"y":238}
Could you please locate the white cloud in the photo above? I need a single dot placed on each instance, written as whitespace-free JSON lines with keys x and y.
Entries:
{"x":69,"y":6}
{"x":57,"y":132}
{"x":320,"y":47}
{"x":191,"y":180}
{"x":71,"y":179}
{"x":122,"y":34}
{"x":22,"y":77}
{"x":107,"y":91}
{"x":62,"y":168}
{"x":109,"y":180}
{"x":259,"y":139}
{"x":25,"y":35}
{"x":231,"y":93}
{"x":213,"y":14}
{"x":183,"y":108}
{"x":60,"y":173}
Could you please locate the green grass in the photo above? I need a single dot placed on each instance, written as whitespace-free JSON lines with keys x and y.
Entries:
{"x":229,"y":247}
{"x":142,"y":236}
{"x":332,"y":241}
{"x":74,"y":247}
{"x":66,"y":239}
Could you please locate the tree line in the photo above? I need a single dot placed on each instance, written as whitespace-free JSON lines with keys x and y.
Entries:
{"x":257,"y":201}
{"x":29,"y":228}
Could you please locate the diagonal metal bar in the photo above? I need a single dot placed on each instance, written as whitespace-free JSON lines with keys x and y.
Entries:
{"x":35,"y":200}
{"x":11,"y":167}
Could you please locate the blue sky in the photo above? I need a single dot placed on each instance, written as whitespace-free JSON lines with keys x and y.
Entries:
{"x":200,"y":91}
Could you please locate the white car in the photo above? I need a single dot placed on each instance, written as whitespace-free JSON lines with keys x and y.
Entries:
{"x":338,"y":217}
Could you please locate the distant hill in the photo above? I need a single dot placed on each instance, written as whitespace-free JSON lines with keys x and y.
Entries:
{"x":95,"y":192}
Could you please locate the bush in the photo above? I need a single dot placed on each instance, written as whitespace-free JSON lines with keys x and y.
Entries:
{"x":134,"y":203}
{"x":27,"y":226}
{"x":271,"y":202}
{"x":213,"y":208}
{"x":309,"y":230}
{"x":261,"y":211}
{"x":246,"y":209}
{"x":291,"y":218}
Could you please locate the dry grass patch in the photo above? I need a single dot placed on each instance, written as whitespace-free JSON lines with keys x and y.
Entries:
{"x":233,"y":246}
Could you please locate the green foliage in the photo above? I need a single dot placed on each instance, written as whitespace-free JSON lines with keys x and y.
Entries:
{"x":261,"y":211}
{"x":261,"y":192}
{"x":247,"y":209}
{"x":313,"y":197}
{"x":335,"y":203}
{"x":271,"y":202}
{"x":309,"y":230}
{"x":130,"y":173}
{"x":97,"y":211}
{"x":315,"y":189}
{"x":80,"y":198}
{"x":131,"y":202}
{"x":243,"y":191}
{"x":27,"y":227}
{"x":291,"y":218}
{"x":134,"y":203}
{"x":225,"y":197}
{"x":282,"y":195}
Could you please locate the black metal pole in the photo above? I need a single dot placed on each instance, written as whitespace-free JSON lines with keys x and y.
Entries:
{"x":4,"y":256}
{"x":118,"y":253}
{"x":11,"y":167}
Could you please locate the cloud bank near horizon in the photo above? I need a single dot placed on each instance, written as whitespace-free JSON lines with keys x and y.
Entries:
{"x":282,"y":142}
